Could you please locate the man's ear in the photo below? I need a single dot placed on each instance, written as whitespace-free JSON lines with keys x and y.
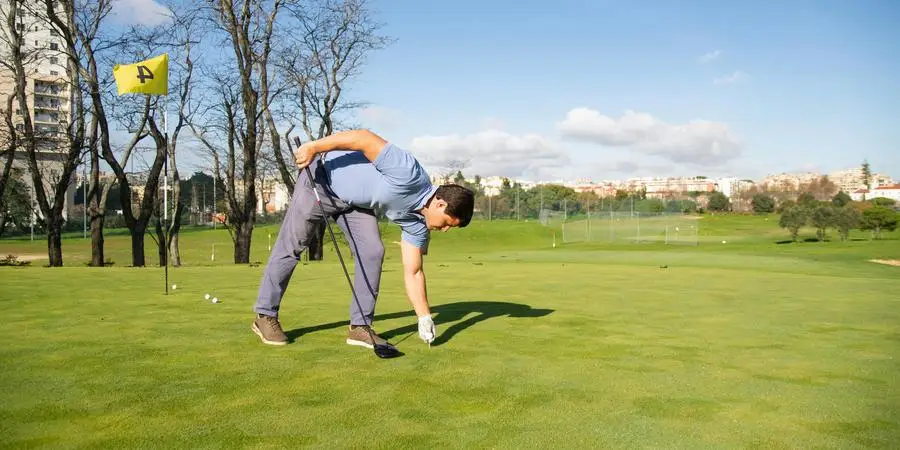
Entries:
{"x":440,"y":203}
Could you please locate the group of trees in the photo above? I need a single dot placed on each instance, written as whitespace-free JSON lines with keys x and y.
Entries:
{"x":840,"y":213}
{"x":510,"y":200}
{"x":243,"y":75}
{"x":767,"y":198}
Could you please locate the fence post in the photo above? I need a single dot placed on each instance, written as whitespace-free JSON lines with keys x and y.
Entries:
{"x":610,"y":226}
{"x":589,"y":221}
{"x":639,"y":227}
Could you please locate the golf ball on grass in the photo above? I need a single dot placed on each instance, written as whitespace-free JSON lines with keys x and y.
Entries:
{"x":206,"y":296}
{"x":174,"y":286}
{"x":724,"y":242}
{"x":215,"y":300}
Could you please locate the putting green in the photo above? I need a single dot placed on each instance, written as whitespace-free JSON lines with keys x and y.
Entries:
{"x":755,"y":344}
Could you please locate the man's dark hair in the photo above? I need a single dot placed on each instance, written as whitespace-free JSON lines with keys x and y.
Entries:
{"x":460,"y":202}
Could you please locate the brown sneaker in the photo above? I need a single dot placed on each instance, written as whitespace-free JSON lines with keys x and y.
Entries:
{"x":360,"y":335}
{"x":269,"y":330}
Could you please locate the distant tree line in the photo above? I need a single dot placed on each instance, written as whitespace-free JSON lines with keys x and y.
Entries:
{"x":840,"y":213}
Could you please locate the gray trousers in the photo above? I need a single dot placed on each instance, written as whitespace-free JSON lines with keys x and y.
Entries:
{"x":360,"y":227}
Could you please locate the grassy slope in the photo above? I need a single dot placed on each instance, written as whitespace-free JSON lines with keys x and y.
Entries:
{"x":749,"y":343}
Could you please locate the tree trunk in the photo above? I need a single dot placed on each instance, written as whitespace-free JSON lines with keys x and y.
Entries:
{"x":243,"y":234}
{"x":3,"y":217}
{"x":174,"y":252}
{"x":137,"y":246}
{"x":54,"y":242}
{"x":97,"y":257}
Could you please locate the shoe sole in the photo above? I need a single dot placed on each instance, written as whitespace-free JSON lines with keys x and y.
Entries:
{"x":359,"y":343}
{"x":264,"y":340}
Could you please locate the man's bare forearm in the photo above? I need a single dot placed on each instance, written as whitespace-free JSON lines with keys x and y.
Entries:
{"x":417,"y":292}
{"x":357,"y":140}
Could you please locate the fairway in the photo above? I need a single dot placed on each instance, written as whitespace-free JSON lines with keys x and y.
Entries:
{"x":747,"y":344}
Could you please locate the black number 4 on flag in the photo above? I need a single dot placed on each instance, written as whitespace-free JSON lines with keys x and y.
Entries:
{"x":144,"y":74}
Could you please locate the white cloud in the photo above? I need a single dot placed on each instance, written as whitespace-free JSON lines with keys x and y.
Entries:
{"x":698,"y":142}
{"x":140,"y":12}
{"x":379,"y":117}
{"x":489,"y":153}
{"x":710,"y":56}
{"x":734,"y":77}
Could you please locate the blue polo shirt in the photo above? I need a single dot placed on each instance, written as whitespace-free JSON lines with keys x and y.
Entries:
{"x":395,"y":182}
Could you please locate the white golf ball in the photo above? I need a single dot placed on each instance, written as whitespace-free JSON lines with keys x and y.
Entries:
{"x":174,"y":286}
{"x":215,"y":300}
{"x":724,"y":242}
{"x":206,"y":296}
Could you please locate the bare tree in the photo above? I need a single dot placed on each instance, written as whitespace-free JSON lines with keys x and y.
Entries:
{"x":335,"y":37}
{"x":180,"y":35}
{"x":62,"y":149}
{"x":12,"y":42}
{"x":248,"y":27}
{"x":138,"y":218}
{"x":87,"y":31}
{"x":8,"y":154}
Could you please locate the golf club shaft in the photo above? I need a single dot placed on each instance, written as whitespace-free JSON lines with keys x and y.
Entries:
{"x":337,"y":249}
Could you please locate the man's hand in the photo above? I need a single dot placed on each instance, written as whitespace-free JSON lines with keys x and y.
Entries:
{"x":426,"y":329}
{"x":304,"y":155}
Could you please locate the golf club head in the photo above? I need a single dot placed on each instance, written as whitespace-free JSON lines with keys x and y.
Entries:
{"x":385,"y":351}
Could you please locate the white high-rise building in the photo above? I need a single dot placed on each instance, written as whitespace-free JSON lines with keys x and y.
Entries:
{"x":48,"y":97}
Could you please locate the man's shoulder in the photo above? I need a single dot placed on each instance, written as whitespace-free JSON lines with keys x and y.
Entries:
{"x":399,"y":166}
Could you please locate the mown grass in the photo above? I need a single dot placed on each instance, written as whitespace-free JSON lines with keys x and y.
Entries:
{"x":746,"y":344}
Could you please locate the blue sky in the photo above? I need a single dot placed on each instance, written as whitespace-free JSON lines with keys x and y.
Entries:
{"x":817,"y":84}
{"x":614,"y":89}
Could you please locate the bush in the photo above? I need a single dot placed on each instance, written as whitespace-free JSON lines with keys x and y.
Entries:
{"x":880,"y":218}
{"x":784,"y":206}
{"x":846,"y":219}
{"x":763,"y":203}
{"x":822,"y":218}
{"x":841,"y":199}
{"x":793,"y":218}
{"x":718,"y":202}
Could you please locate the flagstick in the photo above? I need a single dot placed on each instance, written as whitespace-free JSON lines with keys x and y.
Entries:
{"x":166,"y":192}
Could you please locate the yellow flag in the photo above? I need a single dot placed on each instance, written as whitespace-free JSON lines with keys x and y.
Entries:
{"x":146,"y":77}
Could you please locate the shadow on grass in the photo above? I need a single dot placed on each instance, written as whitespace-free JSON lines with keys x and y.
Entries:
{"x":804,"y":240}
{"x":443,"y":314}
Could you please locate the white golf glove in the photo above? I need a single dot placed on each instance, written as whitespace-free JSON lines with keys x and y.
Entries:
{"x":426,"y":329}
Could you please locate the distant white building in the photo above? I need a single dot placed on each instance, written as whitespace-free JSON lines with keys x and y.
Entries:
{"x":789,"y":181}
{"x":851,"y":180}
{"x":273,"y":196}
{"x":890,"y":191}
{"x":732,"y":187}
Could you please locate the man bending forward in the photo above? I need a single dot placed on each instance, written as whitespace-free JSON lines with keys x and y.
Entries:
{"x":361,"y":172}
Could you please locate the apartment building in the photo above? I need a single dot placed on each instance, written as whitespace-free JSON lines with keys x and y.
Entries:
{"x":48,"y":100}
{"x":851,"y":180}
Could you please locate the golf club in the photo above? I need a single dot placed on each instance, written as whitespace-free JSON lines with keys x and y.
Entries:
{"x":381,"y":350}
